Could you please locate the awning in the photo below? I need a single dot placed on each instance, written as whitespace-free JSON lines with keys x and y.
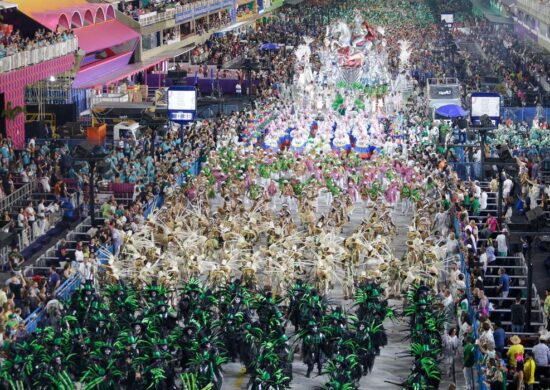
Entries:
{"x":175,"y":52}
{"x":86,"y":76}
{"x":107,"y":75}
{"x":231,"y":28}
{"x":104,"y":35}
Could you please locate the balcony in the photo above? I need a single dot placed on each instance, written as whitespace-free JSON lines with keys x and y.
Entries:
{"x":35,"y":56}
{"x":184,"y":13}
{"x":537,"y":8}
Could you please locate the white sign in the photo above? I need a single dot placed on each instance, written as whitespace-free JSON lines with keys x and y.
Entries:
{"x":486,"y":105}
{"x":182,"y":100}
{"x":447,"y":18}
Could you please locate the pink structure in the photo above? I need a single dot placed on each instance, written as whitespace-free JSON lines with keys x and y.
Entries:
{"x":12,"y":85}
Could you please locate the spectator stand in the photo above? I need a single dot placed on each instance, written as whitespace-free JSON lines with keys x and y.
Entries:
{"x":31,"y":238}
{"x":40,"y":269}
{"x":516,"y":267}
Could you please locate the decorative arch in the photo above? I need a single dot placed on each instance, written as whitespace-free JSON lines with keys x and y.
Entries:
{"x":88,"y":18}
{"x":76,"y":20}
{"x":110,"y":12}
{"x":100,"y":15}
{"x":64,"y":22}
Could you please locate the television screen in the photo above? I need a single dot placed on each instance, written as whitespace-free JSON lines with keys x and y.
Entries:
{"x":486,"y":105}
{"x":182,"y":100}
{"x":447,"y":18}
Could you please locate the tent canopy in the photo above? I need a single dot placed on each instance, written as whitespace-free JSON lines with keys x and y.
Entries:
{"x":451,"y":111}
{"x":269,"y":46}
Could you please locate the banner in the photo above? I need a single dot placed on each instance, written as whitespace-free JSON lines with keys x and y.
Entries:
{"x":444,"y":92}
{"x":184,"y":16}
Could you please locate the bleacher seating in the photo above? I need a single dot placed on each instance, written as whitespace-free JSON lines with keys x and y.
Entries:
{"x":516,"y":268}
{"x":31,"y":239}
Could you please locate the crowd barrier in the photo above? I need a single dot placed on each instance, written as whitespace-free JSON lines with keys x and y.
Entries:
{"x":63,"y":292}
{"x":471,"y":310}
{"x":525,"y":114}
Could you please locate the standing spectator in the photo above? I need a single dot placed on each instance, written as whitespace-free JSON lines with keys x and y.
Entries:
{"x":16,"y":260}
{"x":541,"y":353}
{"x":86,"y":269}
{"x":515,"y":352}
{"x":450,"y":345}
{"x":491,"y":223}
{"x":54,"y":280}
{"x":116,"y":237}
{"x":518,"y":375}
{"x":79,"y":253}
{"x":490,"y":250}
{"x":503,"y":283}
{"x":518,"y":316}
{"x":529,"y":371}
{"x":16,"y":285}
{"x":469,"y":361}
{"x":547,"y":308}
{"x":500,"y":338}
{"x":502,"y":246}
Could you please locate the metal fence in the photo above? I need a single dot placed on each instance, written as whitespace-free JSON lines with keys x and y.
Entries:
{"x":464,"y":270}
{"x":40,"y":54}
{"x":22,"y":192}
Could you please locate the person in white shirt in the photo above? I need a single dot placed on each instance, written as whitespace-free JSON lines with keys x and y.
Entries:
{"x":31,"y":214}
{"x":78,"y":253}
{"x":450,"y":346}
{"x":507,"y":187}
{"x":483,"y":201}
{"x":477,"y":189}
{"x":86,"y":269}
{"x":24,"y":177}
{"x":483,"y":260}
{"x":44,"y":181}
{"x":502,"y":246}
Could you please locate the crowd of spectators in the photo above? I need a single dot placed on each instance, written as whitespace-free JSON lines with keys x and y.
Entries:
{"x":14,"y":42}
{"x":522,"y":72}
{"x":505,"y":361}
{"x":135,"y":9}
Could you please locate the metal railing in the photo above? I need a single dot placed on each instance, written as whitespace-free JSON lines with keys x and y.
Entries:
{"x":471,"y":310}
{"x":32,"y":232}
{"x":21,"y":193}
{"x":535,"y":7}
{"x":63,"y":292}
{"x":40,"y":54}
{"x":170,"y":13}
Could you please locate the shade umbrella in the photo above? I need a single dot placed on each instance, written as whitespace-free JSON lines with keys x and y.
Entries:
{"x":451,"y":111}
{"x":269,"y":46}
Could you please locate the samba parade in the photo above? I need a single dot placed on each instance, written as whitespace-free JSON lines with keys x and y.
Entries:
{"x":312,"y":194}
